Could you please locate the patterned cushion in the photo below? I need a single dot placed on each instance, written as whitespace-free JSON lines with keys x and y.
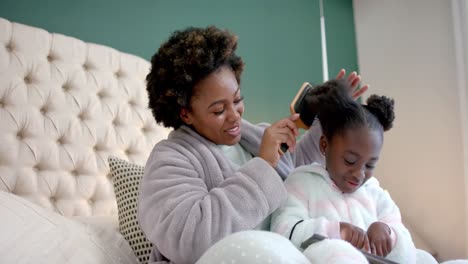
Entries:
{"x":126,"y":178}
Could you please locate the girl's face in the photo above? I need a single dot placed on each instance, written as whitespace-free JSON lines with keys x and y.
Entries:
{"x":351,"y":157}
{"x":216,"y":108}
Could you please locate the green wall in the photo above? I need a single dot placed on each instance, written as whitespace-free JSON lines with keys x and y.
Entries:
{"x":279,"y":40}
{"x":341,"y":41}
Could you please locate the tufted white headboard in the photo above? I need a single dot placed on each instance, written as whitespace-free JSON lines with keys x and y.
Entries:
{"x":65,"y":105}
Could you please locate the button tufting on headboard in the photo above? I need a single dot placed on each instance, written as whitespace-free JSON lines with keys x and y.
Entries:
{"x":65,"y":105}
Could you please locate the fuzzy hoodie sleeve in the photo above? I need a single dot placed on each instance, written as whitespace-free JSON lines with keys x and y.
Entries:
{"x":183,"y":217}
{"x":388,"y":212}
{"x":299,"y":186}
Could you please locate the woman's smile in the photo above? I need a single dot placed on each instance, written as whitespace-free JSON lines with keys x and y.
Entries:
{"x":234,"y":131}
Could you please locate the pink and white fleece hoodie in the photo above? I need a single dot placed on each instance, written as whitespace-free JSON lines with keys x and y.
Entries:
{"x":318,"y":202}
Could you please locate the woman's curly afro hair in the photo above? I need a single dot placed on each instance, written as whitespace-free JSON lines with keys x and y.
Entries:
{"x":180,"y":63}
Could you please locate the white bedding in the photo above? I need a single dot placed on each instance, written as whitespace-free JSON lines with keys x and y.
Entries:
{"x":31,"y":234}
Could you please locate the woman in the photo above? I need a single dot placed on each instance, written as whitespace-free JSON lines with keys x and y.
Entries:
{"x":216,"y":174}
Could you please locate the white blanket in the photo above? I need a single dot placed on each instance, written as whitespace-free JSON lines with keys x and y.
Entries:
{"x":31,"y":234}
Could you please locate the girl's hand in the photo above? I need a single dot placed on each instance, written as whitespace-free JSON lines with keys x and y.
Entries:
{"x":354,"y":235}
{"x":282,"y":131}
{"x":353,"y":80}
{"x":380,"y":239}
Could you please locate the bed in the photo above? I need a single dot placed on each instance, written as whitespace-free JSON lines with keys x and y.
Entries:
{"x":75,"y":132}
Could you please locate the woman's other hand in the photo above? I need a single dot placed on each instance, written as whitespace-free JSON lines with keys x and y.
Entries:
{"x":282,"y":131}
{"x":379,"y":239}
{"x":353,"y":79}
{"x":354,"y":235}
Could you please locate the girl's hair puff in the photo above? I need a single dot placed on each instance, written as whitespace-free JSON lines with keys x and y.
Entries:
{"x":338,"y":111}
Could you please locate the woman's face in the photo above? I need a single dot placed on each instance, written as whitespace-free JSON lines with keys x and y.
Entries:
{"x":216,"y":108}
{"x":352,"y":156}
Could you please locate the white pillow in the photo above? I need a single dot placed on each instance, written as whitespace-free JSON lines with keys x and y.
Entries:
{"x":126,"y":178}
{"x":32,"y":234}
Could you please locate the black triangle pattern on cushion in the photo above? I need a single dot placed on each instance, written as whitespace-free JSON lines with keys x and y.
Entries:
{"x":126,"y":179}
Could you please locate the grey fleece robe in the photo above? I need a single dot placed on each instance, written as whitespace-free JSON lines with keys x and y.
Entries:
{"x":191,"y":197}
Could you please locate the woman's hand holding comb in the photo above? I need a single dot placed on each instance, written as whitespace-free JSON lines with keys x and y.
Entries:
{"x":278,"y":138}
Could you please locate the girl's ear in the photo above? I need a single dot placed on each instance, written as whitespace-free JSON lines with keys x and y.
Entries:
{"x":323,"y":144}
{"x":185,"y":116}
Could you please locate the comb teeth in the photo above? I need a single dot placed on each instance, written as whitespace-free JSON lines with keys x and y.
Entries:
{"x":307,"y":106}
{"x":300,"y":100}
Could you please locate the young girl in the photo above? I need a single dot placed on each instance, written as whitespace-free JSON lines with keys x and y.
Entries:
{"x":341,"y":199}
